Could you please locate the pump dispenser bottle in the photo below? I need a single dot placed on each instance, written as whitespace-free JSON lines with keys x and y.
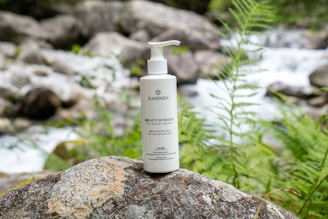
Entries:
{"x":158,"y":90}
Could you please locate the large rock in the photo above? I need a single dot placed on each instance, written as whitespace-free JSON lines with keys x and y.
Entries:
{"x":115,"y":187}
{"x":293,"y":91}
{"x":11,"y":181}
{"x":319,"y":77}
{"x":183,"y":66}
{"x":40,"y":103}
{"x":98,"y":16}
{"x":110,"y":43}
{"x":211,"y":63}
{"x":65,"y":31}
{"x":8,"y":49}
{"x":5,"y":106}
{"x":165,"y":22}
{"x":8,"y":94}
{"x":131,"y":52}
{"x":30,"y":52}
{"x":16,"y":28}
{"x":316,"y":40}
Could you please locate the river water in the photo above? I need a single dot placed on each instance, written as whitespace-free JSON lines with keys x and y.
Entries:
{"x":289,"y":65}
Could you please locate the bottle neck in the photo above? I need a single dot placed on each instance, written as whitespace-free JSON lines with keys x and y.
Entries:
{"x":157,"y":66}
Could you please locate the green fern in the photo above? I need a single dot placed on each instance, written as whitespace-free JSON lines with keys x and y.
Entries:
{"x":230,"y":158}
{"x":250,"y":16}
{"x":303,"y":161}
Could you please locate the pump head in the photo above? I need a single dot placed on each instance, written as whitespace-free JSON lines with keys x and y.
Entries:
{"x":157,"y":64}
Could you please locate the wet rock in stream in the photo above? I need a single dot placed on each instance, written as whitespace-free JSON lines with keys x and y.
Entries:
{"x":40,"y":103}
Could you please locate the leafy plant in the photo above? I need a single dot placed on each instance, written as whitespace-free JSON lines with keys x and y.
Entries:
{"x":303,"y":161}
{"x":302,"y":12}
{"x":294,"y":175}
{"x":76,"y":49}
{"x":234,"y":114}
{"x":98,"y":138}
{"x":137,"y":68}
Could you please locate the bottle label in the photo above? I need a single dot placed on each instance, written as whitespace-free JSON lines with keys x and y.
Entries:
{"x":159,"y":122}
{"x":159,"y":132}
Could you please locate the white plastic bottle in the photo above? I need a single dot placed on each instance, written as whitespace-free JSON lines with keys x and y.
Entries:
{"x":158,"y":90}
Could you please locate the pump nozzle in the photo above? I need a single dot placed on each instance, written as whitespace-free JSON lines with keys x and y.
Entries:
{"x":157,"y":64}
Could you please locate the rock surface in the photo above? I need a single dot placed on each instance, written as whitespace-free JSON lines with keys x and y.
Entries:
{"x":116,"y":187}
{"x":65,"y":31}
{"x":98,"y":16}
{"x":316,"y":40}
{"x":198,"y":34}
{"x":319,"y":77}
{"x":40,"y":103}
{"x":16,"y":28}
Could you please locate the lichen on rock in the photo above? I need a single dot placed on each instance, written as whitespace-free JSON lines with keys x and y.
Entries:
{"x":85,"y":187}
{"x":117,"y":187}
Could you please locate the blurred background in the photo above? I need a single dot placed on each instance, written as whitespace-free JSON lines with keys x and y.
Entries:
{"x":63,"y":61}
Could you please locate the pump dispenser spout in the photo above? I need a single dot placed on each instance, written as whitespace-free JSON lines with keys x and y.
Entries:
{"x":157,"y":64}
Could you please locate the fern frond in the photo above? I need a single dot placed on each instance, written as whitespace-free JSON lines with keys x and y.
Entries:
{"x":306,"y":148}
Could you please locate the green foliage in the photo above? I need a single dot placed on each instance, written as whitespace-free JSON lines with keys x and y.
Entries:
{"x":249,"y":16}
{"x":303,"y":161}
{"x":192,"y":132}
{"x":98,"y":139}
{"x":85,"y":82}
{"x":137,"y":68}
{"x":179,"y":50}
{"x":102,"y":139}
{"x":302,"y":12}
{"x":76,"y":49}
{"x":4,"y":1}
{"x":294,"y":175}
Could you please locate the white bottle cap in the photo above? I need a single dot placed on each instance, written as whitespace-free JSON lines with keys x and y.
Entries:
{"x":157,"y":64}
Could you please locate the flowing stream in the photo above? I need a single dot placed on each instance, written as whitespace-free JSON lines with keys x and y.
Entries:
{"x":289,"y":65}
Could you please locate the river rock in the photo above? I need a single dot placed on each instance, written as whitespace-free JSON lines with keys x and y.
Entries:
{"x":5,"y":126}
{"x":12,"y":126}
{"x":8,"y":49}
{"x":16,"y":28}
{"x":98,"y":16}
{"x":184,"y":66}
{"x":319,"y":77}
{"x":318,"y":113}
{"x":5,"y":106}
{"x":65,"y":31}
{"x":141,"y":36}
{"x":60,"y":65}
{"x":319,"y":101}
{"x":8,"y":94}
{"x":117,"y":187}
{"x":12,"y":181}
{"x":30,"y":52}
{"x":8,"y":100}
{"x":109,"y":44}
{"x":40,"y":103}
{"x":316,"y":40}
{"x":196,"y":31}
{"x":18,"y":76}
{"x":293,"y":91}
{"x":211,"y":63}
{"x":82,"y":109}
